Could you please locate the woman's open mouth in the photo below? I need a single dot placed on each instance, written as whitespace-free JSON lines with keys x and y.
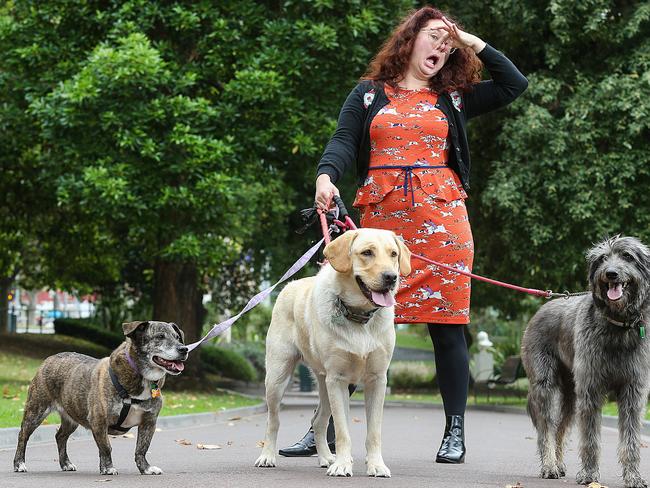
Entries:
{"x":382,"y":298}
{"x":174,"y":367}
{"x":431,"y":61}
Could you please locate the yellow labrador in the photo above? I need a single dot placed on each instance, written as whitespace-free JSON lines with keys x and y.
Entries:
{"x":339,"y":322}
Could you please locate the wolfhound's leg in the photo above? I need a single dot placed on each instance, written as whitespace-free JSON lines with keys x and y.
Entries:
{"x":631,"y":407}
{"x":589,"y":404}
{"x":567,"y":409}
{"x":541,"y":396}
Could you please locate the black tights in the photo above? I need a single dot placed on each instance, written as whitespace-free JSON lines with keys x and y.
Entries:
{"x":452,"y":365}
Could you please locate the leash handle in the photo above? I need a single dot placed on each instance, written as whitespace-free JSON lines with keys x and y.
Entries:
{"x":343,"y":212}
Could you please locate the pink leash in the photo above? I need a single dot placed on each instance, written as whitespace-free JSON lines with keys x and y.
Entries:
{"x":349,"y":224}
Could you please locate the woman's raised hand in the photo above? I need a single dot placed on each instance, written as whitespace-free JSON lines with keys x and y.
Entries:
{"x":325,"y":191}
{"x":459,"y":39}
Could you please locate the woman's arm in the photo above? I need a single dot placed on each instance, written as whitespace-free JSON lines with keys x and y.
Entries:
{"x":342,"y":149}
{"x":507,"y":82}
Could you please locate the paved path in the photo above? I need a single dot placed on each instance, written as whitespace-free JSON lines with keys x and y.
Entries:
{"x":501,"y":452}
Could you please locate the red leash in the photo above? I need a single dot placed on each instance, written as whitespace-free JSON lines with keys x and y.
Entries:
{"x":348,"y":224}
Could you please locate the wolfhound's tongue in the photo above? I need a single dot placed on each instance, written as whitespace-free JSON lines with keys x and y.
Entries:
{"x":383,"y":299}
{"x":615,"y":291}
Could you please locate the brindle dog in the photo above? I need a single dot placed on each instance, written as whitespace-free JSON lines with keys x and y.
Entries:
{"x":575,"y":351}
{"x":85,"y":393}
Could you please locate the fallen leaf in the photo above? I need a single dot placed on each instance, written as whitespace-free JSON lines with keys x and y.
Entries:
{"x":101,"y":481}
{"x":128,"y":436}
{"x":528,"y":438}
{"x":229,"y":443}
{"x":595,"y":484}
{"x":260,"y":443}
{"x":208,"y":447}
{"x":235,"y":418}
{"x":644,"y":444}
{"x":183,"y":442}
{"x":356,"y":420}
{"x":231,"y":424}
{"x":518,"y":485}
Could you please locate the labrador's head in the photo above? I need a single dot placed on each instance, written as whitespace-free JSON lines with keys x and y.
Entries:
{"x":375,"y":258}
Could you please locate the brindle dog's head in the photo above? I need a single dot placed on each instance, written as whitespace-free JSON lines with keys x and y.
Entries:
{"x":375,"y":258}
{"x":159,"y":347}
{"x":619,"y":274}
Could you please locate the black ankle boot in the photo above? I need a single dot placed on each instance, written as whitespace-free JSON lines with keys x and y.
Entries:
{"x":452,"y":449}
{"x":306,"y":446}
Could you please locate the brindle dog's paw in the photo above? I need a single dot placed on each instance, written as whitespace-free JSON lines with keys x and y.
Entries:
{"x":153,"y":470}
{"x":109,"y":471}
{"x":635,"y":481}
{"x":584,"y":478}
{"x":68,"y":467}
{"x":551,"y":472}
{"x":20,"y":467}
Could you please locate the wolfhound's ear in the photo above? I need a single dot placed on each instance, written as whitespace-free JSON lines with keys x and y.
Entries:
{"x":338,"y":252}
{"x":129,"y":327}
{"x":404,"y":257}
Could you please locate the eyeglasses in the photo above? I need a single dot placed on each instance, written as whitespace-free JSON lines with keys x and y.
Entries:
{"x":435,"y":39}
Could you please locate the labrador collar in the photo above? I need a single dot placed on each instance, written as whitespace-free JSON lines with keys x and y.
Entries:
{"x":355,"y":315}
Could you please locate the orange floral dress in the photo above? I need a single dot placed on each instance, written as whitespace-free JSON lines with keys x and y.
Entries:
{"x":411,"y":191}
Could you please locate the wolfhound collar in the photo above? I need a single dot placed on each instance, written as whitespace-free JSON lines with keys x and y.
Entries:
{"x":626,"y":324}
{"x":354,"y":315}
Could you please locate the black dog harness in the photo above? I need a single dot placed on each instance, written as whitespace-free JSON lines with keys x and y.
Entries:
{"x":127,"y":401}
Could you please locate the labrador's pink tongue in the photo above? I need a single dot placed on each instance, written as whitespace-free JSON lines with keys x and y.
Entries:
{"x":615,"y":291}
{"x":383,"y":299}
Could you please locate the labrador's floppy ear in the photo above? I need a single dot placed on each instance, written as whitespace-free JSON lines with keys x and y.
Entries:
{"x":178,"y":331}
{"x":404,"y":257}
{"x":129,"y":327}
{"x":338,"y":253}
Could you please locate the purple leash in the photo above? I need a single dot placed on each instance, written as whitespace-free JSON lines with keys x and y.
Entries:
{"x":221,"y":327}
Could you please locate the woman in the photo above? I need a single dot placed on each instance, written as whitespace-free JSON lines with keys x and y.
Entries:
{"x":403,"y":126}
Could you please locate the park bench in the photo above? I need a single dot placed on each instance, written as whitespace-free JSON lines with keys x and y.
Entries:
{"x":509,"y":373}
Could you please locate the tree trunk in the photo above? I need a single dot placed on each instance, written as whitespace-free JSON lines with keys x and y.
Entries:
{"x":178,"y":298}
{"x":5,"y":288}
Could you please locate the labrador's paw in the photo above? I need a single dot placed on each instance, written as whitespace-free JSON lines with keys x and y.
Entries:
{"x":266,"y":460}
{"x":340,"y":468}
{"x":378,"y":469}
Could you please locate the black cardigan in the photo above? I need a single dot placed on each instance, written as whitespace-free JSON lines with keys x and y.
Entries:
{"x":351,"y":140}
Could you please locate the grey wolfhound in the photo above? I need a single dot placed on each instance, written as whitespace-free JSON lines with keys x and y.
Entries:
{"x":577,"y":350}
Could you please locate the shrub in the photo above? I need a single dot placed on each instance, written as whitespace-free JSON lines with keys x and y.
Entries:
{"x":411,"y":375}
{"x":86,"y":329}
{"x":254,"y":352}
{"x":228,"y":363}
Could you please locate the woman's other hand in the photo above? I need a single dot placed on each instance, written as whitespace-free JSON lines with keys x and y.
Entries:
{"x":459,"y":39}
{"x":325,"y":191}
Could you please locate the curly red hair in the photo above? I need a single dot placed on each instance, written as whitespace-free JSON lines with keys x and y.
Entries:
{"x":460,"y":72}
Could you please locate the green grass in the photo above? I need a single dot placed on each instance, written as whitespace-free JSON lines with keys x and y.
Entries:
{"x":413,"y":341}
{"x":17,"y":370}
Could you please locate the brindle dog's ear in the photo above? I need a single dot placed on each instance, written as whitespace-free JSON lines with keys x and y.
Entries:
{"x":404,"y":257}
{"x":178,"y":331}
{"x":129,"y":327}
{"x":338,"y":252}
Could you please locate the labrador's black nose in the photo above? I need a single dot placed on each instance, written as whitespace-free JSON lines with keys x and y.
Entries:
{"x":389,"y":279}
{"x":611,"y":274}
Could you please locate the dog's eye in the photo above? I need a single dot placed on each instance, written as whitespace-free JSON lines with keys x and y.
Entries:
{"x":627,"y":256}
{"x":394,"y":254}
{"x":367,"y":252}
{"x":160,"y":336}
